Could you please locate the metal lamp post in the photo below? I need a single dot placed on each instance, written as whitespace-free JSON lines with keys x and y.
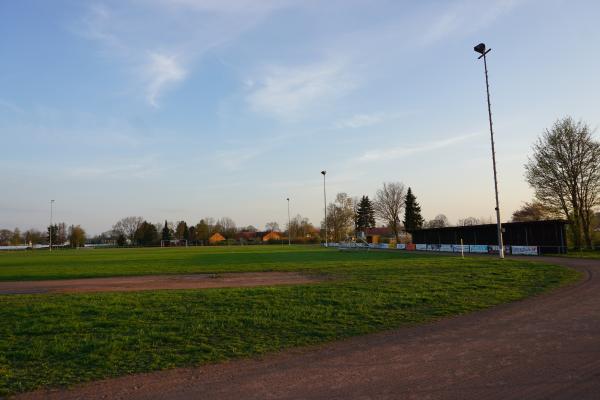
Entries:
{"x":51,"y":228}
{"x":481,"y":49}
{"x":325,"y":208}
{"x":289,"y":224}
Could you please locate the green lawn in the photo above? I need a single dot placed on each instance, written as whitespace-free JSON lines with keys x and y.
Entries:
{"x":62,"y":339}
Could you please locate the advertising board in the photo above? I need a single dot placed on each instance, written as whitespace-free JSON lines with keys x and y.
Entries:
{"x":524,"y":250}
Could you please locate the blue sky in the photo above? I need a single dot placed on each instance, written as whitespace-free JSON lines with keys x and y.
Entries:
{"x":181,"y":109}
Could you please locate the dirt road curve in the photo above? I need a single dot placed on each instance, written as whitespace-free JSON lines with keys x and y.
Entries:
{"x":157,"y":282}
{"x":541,"y":348}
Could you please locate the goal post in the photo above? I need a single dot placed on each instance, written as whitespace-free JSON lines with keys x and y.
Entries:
{"x":174,"y":243}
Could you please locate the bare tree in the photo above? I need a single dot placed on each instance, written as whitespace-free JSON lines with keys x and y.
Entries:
{"x":128,"y":226}
{"x":469,"y":221}
{"x":340,"y":217}
{"x":564,"y":171}
{"x":272,"y":226}
{"x":440,"y":221}
{"x":228,"y":227}
{"x":389,"y":203}
{"x":300,"y":228}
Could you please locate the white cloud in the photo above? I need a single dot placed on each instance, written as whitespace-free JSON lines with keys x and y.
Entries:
{"x":161,"y":72}
{"x":291,"y":92}
{"x":403,"y":151}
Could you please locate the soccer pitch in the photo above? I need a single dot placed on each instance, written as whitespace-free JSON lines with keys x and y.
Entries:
{"x":49,"y":340}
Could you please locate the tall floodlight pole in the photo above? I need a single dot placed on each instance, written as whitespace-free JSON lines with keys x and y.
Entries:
{"x":289,"y":224}
{"x":50,"y":232}
{"x":325,"y":208}
{"x":480,"y":48}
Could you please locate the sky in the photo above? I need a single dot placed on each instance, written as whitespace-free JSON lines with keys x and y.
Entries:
{"x":183,"y":109}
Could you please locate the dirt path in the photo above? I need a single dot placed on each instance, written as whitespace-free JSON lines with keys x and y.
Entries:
{"x":155,"y":282}
{"x":546,"y":347}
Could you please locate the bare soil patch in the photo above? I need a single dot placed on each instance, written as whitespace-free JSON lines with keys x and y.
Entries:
{"x":158,"y":282}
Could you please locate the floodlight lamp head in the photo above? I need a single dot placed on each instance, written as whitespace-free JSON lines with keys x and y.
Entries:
{"x":323,"y":172}
{"x":480,"y":48}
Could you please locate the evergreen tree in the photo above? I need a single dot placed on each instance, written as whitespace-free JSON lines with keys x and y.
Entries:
{"x":365,"y":215}
{"x":166,"y":232}
{"x":412,"y":212}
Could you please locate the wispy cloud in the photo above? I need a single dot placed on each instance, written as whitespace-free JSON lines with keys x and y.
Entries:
{"x":290,"y":92}
{"x":403,"y":151}
{"x":161,"y":71}
{"x":7,"y":105}
{"x":114,"y":169}
{"x":464,"y":17}
{"x":362,"y":120}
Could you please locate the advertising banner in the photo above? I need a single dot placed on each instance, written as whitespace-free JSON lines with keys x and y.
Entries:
{"x":494,"y":249}
{"x":383,"y":245}
{"x":433,"y":247}
{"x":525,"y":250}
{"x":410,"y":246}
{"x":421,"y":247}
{"x":478,"y":248}
{"x":401,"y":246}
{"x":446,"y":247}
{"x":457,"y":248}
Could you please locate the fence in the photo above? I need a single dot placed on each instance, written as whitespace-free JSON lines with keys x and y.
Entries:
{"x":450,"y":248}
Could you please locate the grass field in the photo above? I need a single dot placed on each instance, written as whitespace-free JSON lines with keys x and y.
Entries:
{"x":62,"y":339}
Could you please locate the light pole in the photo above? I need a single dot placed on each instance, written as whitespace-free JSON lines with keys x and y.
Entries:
{"x":325,"y":208}
{"x":51,"y":228}
{"x":289,"y":224}
{"x":480,"y":48}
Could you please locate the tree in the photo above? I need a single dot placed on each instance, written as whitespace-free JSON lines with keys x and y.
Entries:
{"x":469,"y":221}
{"x":564,"y":171}
{"x":412,"y":212}
{"x":128,"y":226}
{"x":300,"y":228}
{"x":272,"y":226}
{"x":62,"y":234}
{"x":5,"y":236}
{"x":182,"y":231}
{"x":534,"y":211}
{"x":202,"y":231}
{"x":166,"y":233}
{"x":53,"y":234}
{"x":16,"y":238}
{"x":76,"y":236}
{"x":365,"y":215}
{"x":440,"y":221}
{"x":121,"y":240}
{"x":228,"y":227}
{"x":192,"y":234}
{"x":146,"y":234}
{"x":340,"y":217}
{"x":33,"y":236}
{"x":389,"y":203}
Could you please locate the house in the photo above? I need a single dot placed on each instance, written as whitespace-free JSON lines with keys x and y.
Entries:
{"x":266,"y":236}
{"x":385,"y":234}
{"x":216,"y":238}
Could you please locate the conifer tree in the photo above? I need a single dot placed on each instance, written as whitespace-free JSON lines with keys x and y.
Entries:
{"x":412,"y":212}
{"x":166,"y":232}
{"x":365,"y":215}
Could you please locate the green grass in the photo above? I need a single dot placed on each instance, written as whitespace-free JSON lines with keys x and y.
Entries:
{"x":60,"y":340}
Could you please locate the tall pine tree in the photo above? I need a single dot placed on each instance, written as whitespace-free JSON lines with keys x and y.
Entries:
{"x":412,"y":212}
{"x":365,"y":215}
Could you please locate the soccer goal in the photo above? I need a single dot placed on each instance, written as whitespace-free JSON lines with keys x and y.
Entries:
{"x":174,"y":243}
